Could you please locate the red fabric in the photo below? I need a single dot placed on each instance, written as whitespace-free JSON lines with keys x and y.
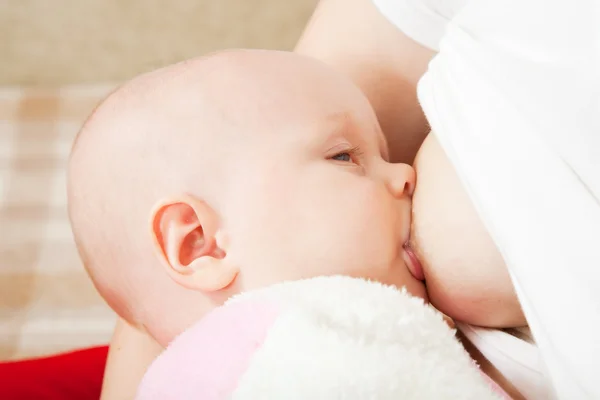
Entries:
{"x":75,"y":375}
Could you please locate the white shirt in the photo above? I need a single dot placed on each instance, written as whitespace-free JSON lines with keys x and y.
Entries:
{"x":514,"y":99}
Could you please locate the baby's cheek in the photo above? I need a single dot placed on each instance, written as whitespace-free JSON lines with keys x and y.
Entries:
{"x":375,"y":229}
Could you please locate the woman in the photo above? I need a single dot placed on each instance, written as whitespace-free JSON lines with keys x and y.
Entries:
{"x":509,"y":177}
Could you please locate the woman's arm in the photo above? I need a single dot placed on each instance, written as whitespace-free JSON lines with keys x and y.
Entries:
{"x":356,"y":39}
{"x":131,"y":352}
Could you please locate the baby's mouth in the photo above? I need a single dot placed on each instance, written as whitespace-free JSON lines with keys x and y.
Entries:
{"x":412,"y":262}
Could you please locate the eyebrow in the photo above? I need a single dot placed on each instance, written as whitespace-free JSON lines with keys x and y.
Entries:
{"x":341,"y":121}
{"x":344,"y":126}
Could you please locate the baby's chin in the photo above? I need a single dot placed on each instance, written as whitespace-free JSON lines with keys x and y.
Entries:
{"x":403,"y":278}
{"x":417,"y":288}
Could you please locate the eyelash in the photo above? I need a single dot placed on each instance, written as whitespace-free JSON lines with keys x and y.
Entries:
{"x":354,"y":153}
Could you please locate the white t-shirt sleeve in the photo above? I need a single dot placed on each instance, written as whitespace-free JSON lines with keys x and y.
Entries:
{"x":424,"y":21}
{"x":514,"y":99}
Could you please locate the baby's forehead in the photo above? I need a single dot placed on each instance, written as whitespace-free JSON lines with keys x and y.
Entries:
{"x":310,"y":105}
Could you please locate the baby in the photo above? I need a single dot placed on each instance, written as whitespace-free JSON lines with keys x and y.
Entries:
{"x":232,"y":172}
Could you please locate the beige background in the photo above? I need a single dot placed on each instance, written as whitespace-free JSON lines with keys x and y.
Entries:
{"x":56,"y":42}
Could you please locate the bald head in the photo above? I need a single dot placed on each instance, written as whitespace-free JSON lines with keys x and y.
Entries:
{"x":169,"y":132}
{"x":156,"y":135}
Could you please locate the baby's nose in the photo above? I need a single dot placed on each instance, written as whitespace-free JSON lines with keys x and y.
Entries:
{"x":401,"y":179}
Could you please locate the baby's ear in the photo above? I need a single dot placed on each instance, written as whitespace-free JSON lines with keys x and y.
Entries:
{"x":184,"y":230}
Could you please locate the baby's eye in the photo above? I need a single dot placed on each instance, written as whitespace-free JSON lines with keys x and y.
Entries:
{"x":349,"y":155}
{"x":345,"y":156}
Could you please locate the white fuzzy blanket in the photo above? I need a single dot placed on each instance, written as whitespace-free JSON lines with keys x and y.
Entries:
{"x":321,"y":338}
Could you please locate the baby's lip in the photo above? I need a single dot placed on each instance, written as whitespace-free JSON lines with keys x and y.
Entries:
{"x":412,"y":262}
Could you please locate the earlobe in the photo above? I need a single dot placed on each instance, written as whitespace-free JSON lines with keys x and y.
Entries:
{"x":184,"y":231}
{"x":212,"y":278}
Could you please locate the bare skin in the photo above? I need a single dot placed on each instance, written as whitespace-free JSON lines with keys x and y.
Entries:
{"x":386,"y":65}
{"x":181,"y":206}
{"x":188,"y":185}
{"x":465,"y":274}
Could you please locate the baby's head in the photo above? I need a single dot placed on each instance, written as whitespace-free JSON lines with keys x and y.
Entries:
{"x":228,"y":173}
